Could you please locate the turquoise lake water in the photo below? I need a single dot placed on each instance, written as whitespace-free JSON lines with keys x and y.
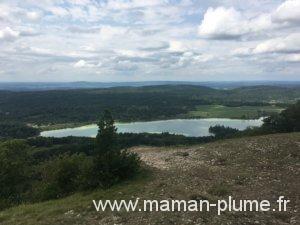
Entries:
{"x":187,"y":127}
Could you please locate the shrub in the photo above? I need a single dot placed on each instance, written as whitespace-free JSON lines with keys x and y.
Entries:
{"x":61,"y":176}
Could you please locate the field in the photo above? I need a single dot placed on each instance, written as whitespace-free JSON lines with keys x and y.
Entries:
{"x":241,"y":112}
{"x":262,"y":167}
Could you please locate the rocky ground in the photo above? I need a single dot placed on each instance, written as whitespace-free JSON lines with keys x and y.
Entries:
{"x":264,"y":167}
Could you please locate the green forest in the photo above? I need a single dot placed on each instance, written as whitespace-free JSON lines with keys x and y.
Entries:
{"x":140,"y":103}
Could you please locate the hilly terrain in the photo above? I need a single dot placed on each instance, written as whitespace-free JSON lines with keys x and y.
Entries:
{"x":38,"y":86}
{"x":262,"y":167}
{"x":139,"y":103}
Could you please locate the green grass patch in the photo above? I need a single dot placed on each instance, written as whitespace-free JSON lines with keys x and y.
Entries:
{"x":241,"y":112}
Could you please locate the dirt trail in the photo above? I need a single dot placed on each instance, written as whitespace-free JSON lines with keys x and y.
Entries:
{"x":170,"y":158}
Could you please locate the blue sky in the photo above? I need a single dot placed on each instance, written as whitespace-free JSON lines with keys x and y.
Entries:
{"x":139,"y":40}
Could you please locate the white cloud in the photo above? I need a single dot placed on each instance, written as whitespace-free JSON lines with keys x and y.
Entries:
{"x":33,"y":16}
{"x":243,"y":51}
{"x":121,"y":5}
{"x":83,"y":64}
{"x":131,"y":53}
{"x":289,"y":11}
{"x":58,"y":11}
{"x":5,"y":11}
{"x":289,"y":44}
{"x":203,"y":58}
{"x":177,"y":46}
{"x":133,"y":37}
{"x":109,"y":32}
{"x":8,"y":34}
{"x":228,"y":23}
{"x":292,"y":58}
{"x":223,"y":23}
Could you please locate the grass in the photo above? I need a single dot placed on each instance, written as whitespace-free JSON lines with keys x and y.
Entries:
{"x":73,"y":209}
{"x":242,"y":112}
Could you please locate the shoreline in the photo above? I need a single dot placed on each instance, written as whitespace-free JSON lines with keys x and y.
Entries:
{"x":77,"y":125}
{"x":151,"y":124}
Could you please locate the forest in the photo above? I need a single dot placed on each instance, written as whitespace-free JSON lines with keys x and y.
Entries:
{"x":133,"y":103}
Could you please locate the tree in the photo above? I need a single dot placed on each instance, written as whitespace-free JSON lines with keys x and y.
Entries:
{"x":17,"y":130}
{"x":222,"y":131}
{"x":287,"y":121}
{"x":14,"y":171}
{"x":106,"y":137}
{"x":111,"y":163}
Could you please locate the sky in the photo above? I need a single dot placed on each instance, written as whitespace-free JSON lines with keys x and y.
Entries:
{"x":149,"y":40}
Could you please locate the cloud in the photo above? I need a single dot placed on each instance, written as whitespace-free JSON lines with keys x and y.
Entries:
{"x":282,"y":49}
{"x":242,"y":52}
{"x":123,"y":5}
{"x":295,"y":58}
{"x":177,"y":46}
{"x":125,"y":66}
{"x":5,"y":11}
{"x":58,"y":11}
{"x":79,"y":29}
{"x":292,"y":58}
{"x":109,"y":32}
{"x":83,"y":64}
{"x":287,"y":45}
{"x":33,"y":16}
{"x":228,"y":24}
{"x":203,"y":58}
{"x":170,"y":38}
{"x":223,"y":23}
{"x":12,"y":13}
{"x":8,"y":34}
{"x":289,"y":11}
{"x":155,"y":46}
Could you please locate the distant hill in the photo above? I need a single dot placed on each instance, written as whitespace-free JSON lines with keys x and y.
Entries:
{"x":35,"y":86}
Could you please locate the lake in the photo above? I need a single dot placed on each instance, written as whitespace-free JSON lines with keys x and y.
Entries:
{"x":187,"y":127}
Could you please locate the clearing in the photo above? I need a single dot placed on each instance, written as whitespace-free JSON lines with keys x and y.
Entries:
{"x":241,"y":112}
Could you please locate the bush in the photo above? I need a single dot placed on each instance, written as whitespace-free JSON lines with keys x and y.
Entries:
{"x":61,"y":176}
{"x":113,"y":168}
